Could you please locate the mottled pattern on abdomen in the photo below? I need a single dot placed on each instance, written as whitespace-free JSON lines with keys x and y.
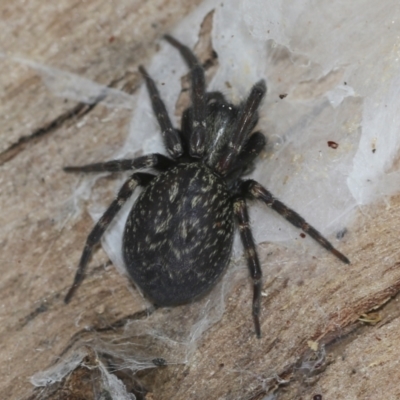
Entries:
{"x":178,"y":237}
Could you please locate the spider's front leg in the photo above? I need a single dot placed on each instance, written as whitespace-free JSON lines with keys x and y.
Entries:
{"x":103,"y":223}
{"x":156,"y":161}
{"x":240,"y":211}
{"x":246,"y":120}
{"x":254,"y":190}
{"x":198,"y":96}
{"x":171,"y":136}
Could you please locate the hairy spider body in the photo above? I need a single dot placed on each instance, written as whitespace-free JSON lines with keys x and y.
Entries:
{"x":186,"y":247}
{"x":178,"y":237}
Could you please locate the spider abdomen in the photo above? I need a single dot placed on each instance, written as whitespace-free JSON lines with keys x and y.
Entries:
{"x":178,"y":237}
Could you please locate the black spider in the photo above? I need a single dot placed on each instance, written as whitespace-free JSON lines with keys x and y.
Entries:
{"x":178,"y":236}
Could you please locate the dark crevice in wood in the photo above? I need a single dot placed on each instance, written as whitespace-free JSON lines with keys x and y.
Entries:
{"x":129,"y":84}
{"x":78,"y":111}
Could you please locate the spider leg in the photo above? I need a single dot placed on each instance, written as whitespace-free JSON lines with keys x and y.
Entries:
{"x":240,"y":210}
{"x":255,"y":190}
{"x":157,"y":161}
{"x":103,"y":223}
{"x":250,"y":151}
{"x":245,"y":123}
{"x":171,"y":135}
{"x":198,"y":95}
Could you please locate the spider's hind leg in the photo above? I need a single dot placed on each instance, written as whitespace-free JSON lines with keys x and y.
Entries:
{"x":254,"y":190}
{"x":97,"y":232}
{"x":240,"y":211}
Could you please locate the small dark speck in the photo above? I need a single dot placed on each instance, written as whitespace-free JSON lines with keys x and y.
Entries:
{"x":332,"y":144}
{"x":222,"y":365}
{"x":341,"y":233}
{"x":228,"y":85}
{"x":345,"y":83}
{"x":317,"y":397}
{"x":42,"y":308}
{"x":282,"y":96}
{"x":162,"y":83}
{"x":111,"y":39}
{"x":373,"y":150}
{"x":302,"y":235}
{"x":159,"y":362}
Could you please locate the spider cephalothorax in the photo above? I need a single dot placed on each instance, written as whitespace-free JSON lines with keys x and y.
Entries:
{"x":178,"y":236}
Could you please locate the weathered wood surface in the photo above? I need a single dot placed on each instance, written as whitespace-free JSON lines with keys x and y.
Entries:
{"x":41,"y":239}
